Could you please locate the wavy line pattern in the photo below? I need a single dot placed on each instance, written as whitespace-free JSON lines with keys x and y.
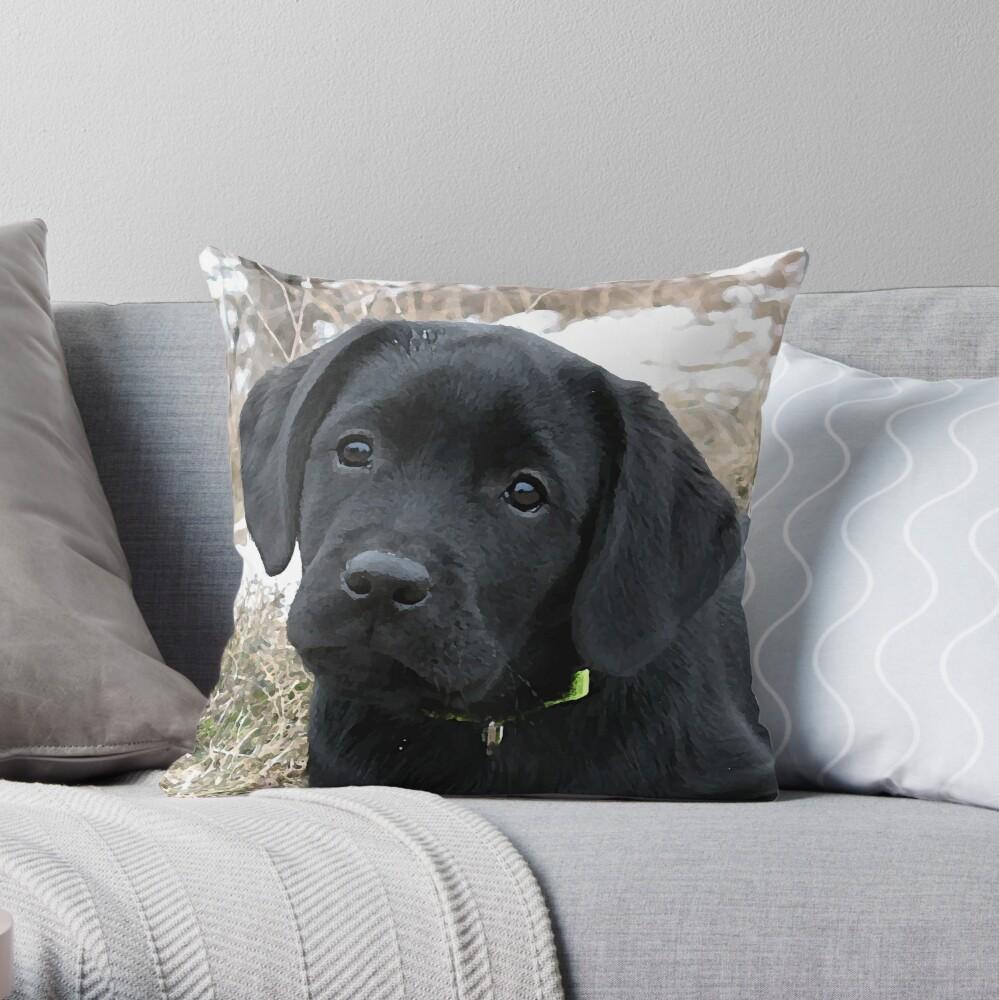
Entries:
{"x":756,"y":652}
{"x":893,"y":630}
{"x":872,"y":582}
{"x":960,"y":637}
{"x":865,"y":567}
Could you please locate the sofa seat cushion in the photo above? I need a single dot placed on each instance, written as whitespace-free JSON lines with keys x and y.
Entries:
{"x":835,"y":896}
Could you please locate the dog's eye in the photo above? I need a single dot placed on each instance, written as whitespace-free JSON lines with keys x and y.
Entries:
{"x":354,"y":451}
{"x":525,"y":494}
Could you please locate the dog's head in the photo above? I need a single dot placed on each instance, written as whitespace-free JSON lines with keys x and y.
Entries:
{"x":479,"y":512}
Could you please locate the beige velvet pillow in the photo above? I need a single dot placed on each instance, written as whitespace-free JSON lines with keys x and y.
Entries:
{"x":704,"y":342}
{"x":83,"y":690}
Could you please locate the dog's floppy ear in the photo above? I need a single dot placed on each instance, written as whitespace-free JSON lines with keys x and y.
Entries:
{"x":666,"y":533}
{"x":276,"y":425}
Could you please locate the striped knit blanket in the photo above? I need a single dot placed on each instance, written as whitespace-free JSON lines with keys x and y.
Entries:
{"x":119,"y":891}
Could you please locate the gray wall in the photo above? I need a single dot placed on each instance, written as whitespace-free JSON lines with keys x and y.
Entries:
{"x":502,"y":140}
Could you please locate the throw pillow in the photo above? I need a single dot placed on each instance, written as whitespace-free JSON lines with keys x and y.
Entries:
{"x":873,"y":581}
{"x":83,"y":691}
{"x":502,"y":654}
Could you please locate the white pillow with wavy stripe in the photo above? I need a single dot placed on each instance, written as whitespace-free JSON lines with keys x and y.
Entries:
{"x":872,"y":591}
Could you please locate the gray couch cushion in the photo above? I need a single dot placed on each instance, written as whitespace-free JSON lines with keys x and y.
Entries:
{"x":150,"y":382}
{"x":919,"y":332}
{"x":835,"y":896}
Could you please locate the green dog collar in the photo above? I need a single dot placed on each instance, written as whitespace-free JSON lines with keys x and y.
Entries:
{"x":492,"y":729}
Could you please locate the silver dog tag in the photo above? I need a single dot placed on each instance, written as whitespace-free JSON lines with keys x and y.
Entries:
{"x":492,"y":736}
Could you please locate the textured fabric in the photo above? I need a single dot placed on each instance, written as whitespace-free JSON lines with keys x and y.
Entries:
{"x":361,"y":892}
{"x":873,"y":581}
{"x":162,"y":355}
{"x":841,"y":897}
{"x":917,"y":332}
{"x":834,"y":896}
{"x":83,"y":690}
{"x":705,"y":344}
{"x":151,"y":387}
{"x":6,"y":954}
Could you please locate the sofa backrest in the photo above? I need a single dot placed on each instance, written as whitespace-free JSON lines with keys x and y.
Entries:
{"x":150,"y":381}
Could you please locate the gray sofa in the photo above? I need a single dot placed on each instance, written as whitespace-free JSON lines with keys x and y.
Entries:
{"x":816,"y":895}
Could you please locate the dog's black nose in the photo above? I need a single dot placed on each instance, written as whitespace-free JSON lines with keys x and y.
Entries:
{"x":381,"y":576}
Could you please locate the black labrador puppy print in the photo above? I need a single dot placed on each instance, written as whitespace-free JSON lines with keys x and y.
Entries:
{"x":518,"y":573}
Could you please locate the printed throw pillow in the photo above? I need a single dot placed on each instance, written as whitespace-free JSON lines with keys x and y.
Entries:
{"x":873,"y":583}
{"x":475,"y":560}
